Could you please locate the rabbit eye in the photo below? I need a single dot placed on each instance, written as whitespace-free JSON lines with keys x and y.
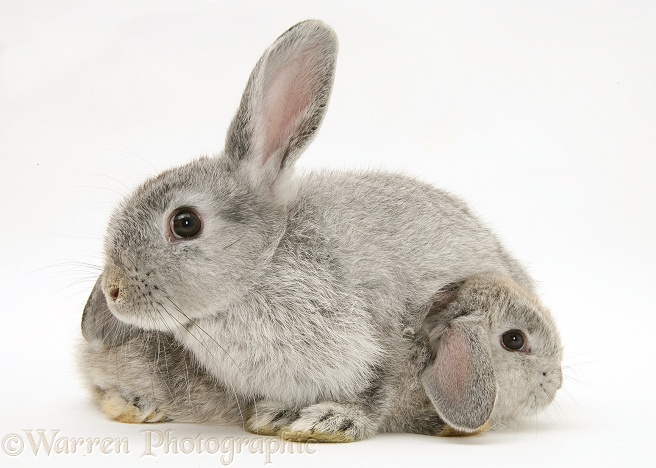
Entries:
{"x":185,"y":223}
{"x":513,"y":340}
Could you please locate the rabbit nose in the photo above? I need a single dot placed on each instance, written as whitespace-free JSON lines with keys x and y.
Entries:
{"x":114,"y":292}
{"x":112,"y":284}
{"x":558,"y":378}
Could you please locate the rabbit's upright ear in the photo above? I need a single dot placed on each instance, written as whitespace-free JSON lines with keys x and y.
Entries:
{"x":284,"y":101}
{"x":460,"y":381}
{"x":99,"y":326}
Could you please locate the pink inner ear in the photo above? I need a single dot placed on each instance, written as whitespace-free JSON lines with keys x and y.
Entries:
{"x":454,"y":364}
{"x":288,"y":90}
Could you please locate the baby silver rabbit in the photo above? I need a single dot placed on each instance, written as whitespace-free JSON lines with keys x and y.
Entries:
{"x":341,"y":303}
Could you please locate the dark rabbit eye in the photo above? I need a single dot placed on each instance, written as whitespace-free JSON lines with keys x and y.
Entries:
{"x":185,"y":223}
{"x":513,"y":340}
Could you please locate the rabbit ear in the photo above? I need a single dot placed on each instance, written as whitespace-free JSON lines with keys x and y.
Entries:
{"x":460,"y":382}
{"x":284,"y":101}
{"x":99,"y":326}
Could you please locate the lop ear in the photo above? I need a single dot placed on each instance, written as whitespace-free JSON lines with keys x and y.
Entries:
{"x":460,"y":381}
{"x":99,"y":326}
{"x":284,"y":101}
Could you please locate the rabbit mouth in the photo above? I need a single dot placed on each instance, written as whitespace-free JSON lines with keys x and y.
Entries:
{"x":506,"y":414}
{"x":148,"y":316}
{"x":137,"y":308}
{"x":123,"y":311}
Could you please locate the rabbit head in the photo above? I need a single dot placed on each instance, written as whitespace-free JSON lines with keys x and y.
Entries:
{"x":188,"y":242}
{"x":497,"y":353}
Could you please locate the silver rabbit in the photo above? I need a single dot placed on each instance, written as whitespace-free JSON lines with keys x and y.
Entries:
{"x":330,"y":306}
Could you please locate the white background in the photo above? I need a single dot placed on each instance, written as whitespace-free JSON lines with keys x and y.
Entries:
{"x":542,"y":115}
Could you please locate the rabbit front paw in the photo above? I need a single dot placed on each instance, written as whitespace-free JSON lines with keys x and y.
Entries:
{"x":321,"y":422}
{"x":127,"y":409}
{"x":269,"y":418}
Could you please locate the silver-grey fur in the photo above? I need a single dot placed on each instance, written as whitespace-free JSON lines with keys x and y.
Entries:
{"x":308,"y":295}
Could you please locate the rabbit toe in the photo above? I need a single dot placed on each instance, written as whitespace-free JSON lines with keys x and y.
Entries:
{"x":132,"y":410}
{"x":269,"y":418}
{"x":328,"y":422}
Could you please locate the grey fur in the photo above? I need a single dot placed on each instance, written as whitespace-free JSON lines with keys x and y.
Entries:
{"x":308,"y":294}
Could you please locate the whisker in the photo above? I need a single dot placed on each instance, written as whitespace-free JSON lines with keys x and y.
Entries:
{"x":131,"y":154}
{"x":179,"y":310}
{"x":105,"y":176}
{"x":232,"y":389}
{"x":67,"y":236}
{"x":101,"y":188}
{"x":568,"y":394}
{"x":184,"y":360}
{"x":81,"y":265}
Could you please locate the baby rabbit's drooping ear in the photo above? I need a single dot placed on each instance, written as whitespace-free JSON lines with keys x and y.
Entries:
{"x":460,"y":382}
{"x":496,"y":353}
{"x":284,"y":101}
